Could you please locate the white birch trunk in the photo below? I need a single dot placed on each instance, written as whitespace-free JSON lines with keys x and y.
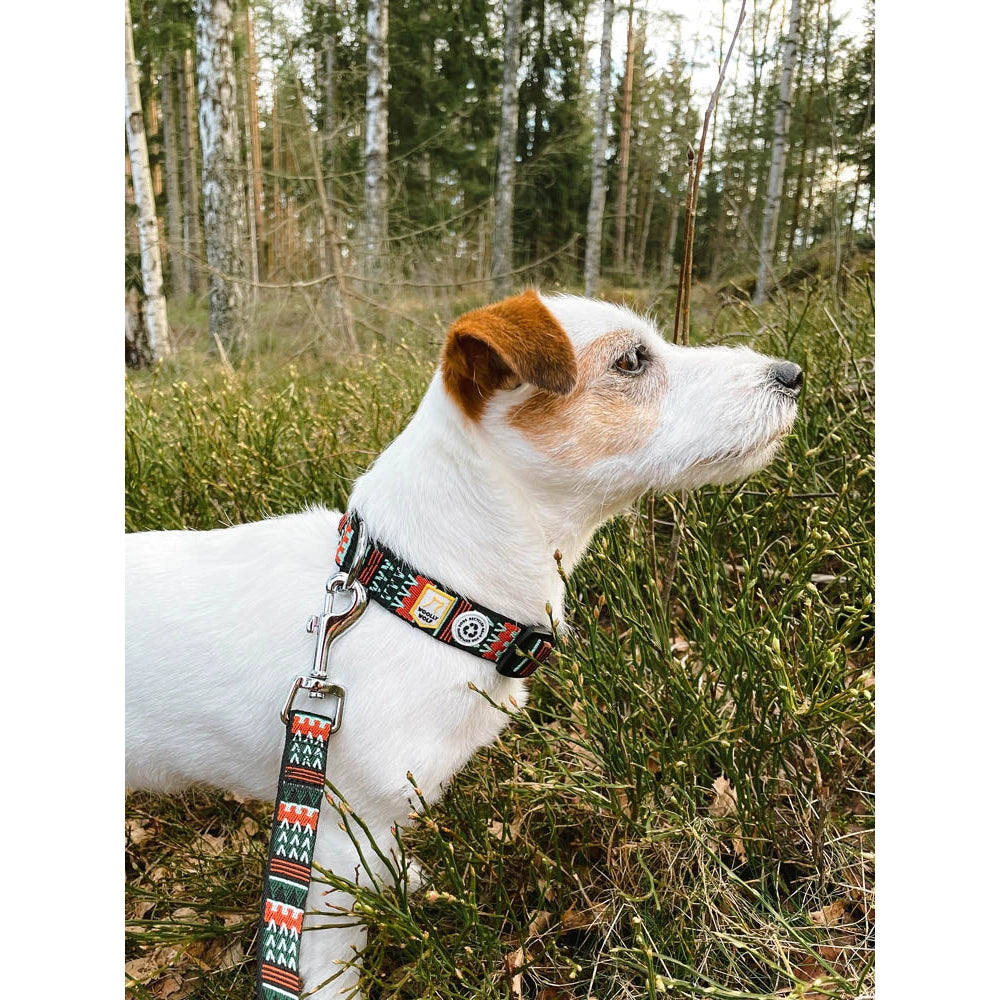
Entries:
{"x":776,"y":175}
{"x":376,"y":132}
{"x":222,"y":186}
{"x":503,"y":219}
{"x":625,"y":138}
{"x":595,"y":213}
{"x":157,"y":331}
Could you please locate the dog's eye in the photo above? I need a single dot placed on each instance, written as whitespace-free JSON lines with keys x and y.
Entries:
{"x":631,"y":363}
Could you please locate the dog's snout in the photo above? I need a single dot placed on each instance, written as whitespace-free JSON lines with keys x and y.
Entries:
{"x":788,"y":375}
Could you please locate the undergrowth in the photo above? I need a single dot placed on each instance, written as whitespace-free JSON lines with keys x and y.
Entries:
{"x":685,"y":809}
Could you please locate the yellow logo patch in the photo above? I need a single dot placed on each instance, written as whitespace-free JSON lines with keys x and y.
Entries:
{"x":431,"y":607}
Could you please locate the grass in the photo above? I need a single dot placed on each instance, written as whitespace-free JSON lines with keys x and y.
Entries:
{"x":686,"y":808}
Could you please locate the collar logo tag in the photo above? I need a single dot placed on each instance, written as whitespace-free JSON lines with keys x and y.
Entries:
{"x":431,"y":607}
{"x":470,"y":628}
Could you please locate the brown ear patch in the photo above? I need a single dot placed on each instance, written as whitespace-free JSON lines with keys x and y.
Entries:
{"x":498,"y":347}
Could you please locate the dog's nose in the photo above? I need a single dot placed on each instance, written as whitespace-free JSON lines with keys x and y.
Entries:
{"x":788,"y":375}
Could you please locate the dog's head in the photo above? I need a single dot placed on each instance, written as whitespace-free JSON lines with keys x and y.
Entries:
{"x":587,"y":396}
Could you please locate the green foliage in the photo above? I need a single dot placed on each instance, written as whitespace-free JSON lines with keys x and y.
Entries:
{"x":554,"y":131}
{"x":595,"y":850}
{"x":228,"y":449}
{"x":444,"y":77}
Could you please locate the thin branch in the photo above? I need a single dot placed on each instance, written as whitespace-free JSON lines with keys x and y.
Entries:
{"x":682,"y":312}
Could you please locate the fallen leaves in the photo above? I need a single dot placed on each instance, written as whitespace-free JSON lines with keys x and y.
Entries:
{"x":723,"y":806}
{"x":185,"y":855}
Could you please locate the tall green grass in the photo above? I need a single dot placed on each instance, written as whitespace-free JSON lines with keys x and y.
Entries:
{"x":686,"y":807}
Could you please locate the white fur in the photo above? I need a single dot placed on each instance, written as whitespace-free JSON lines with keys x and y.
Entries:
{"x":215,"y":619}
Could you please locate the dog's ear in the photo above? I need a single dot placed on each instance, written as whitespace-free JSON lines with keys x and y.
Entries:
{"x":513,"y":341}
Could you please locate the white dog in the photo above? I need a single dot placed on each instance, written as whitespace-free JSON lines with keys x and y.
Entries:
{"x":546,"y":416}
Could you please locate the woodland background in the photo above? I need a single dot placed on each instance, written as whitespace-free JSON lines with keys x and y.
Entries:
{"x":364,"y":153}
{"x":686,"y":809}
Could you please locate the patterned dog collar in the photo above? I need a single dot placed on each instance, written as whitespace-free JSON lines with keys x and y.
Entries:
{"x":515,"y":649}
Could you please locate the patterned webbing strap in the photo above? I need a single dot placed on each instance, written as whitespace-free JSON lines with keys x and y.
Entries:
{"x":289,"y":857}
{"x":515,"y":649}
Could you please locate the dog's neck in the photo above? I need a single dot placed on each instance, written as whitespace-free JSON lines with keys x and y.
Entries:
{"x":434,"y":499}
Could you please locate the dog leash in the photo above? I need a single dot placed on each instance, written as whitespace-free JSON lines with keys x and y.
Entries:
{"x":366,"y":570}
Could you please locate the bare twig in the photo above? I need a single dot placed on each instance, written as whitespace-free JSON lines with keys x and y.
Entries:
{"x":682,"y":312}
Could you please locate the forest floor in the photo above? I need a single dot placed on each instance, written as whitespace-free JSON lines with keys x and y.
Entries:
{"x":685,"y":810}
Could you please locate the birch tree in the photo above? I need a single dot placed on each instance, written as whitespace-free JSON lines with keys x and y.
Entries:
{"x":776,"y":174}
{"x":625,"y":143}
{"x":595,"y":213}
{"x":503,"y":219}
{"x":253,"y":138}
{"x":222,"y":188}
{"x":157,"y":331}
{"x":376,"y":131}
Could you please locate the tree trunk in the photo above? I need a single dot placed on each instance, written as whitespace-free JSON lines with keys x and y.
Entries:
{"x":157,"y":333}
{"x":175,"y":207}
{"x":222,"y":187}
{"x":800,"y":178}
{"x":251,"y":212}
{"x":330,"y":228}
{"x":625,"y":137}
{"x":639,"y":256}
{"x":253,"y":128}
{"x":330,"y":125}
{"x":277,"y":225}
{"x":831,"y":100}
{"x":376,"y":133}
{"x":503,"y":219}
{"x":668,"y":256}
{"x":776,"y":175}
{"x":595,"y":213}
{"x":635,"y":255}
{"x":193,"y":252}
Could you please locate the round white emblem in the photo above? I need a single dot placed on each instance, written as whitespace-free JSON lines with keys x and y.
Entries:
{"x":470,"y":628}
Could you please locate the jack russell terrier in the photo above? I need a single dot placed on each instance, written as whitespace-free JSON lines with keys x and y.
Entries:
{"x":546,"y":416}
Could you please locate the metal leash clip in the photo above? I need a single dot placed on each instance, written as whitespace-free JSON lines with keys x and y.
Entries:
{"x":330,"y":625}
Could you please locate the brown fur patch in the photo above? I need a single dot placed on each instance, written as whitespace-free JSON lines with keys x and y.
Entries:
{"x":607,"y":413}
{"x":513,"y":341}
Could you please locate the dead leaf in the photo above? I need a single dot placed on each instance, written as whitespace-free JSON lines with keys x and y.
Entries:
{"x":169,"y":985}
{"x":724,"y":802}
{"x":141,"y":969}
{"x":574,"y":919}
{"x":136,"y":832}
{"x":215,"y":845}
{"x":515,"y":960}
{"x":233,"y":956}
{"x":829,"y":916}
